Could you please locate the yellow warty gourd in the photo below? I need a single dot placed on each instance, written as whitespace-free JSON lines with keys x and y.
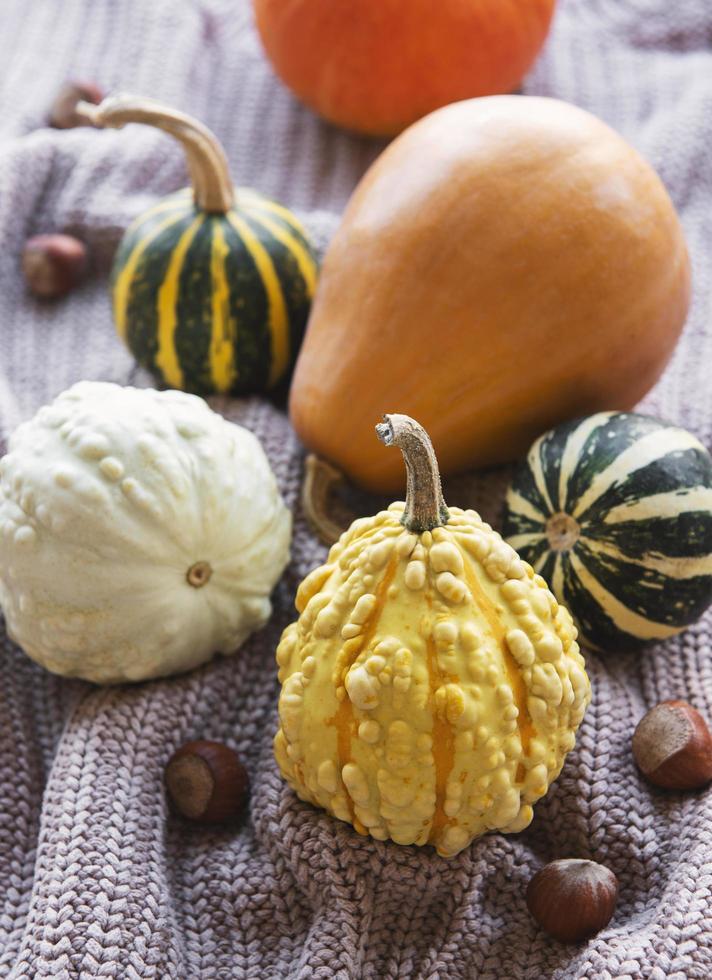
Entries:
{"x":432,"y":684}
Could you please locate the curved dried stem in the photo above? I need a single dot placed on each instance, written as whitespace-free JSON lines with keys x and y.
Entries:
{"x":321,"y":480}
{"x":424,"y":504}
{"x":207,"y":164}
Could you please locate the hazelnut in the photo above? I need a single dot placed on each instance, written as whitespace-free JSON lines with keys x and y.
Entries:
{"x":63,"y":114}
{"x":572,"y":899}
{"x":53,"y":264}
{"x":206,"y":782}
{"x":672,"y":746}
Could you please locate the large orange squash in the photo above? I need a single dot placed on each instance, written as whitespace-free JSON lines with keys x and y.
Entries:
{"x":507,"y":263}
{"x":378,"y":65}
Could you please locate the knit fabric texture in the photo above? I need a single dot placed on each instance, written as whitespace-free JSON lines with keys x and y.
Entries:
{"x":97,"y":879}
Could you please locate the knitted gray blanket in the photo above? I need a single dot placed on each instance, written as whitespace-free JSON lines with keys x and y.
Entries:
{"x":96,"y":879}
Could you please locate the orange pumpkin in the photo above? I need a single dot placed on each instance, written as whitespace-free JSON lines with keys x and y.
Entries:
{"x":507,"y":263}
{"x":378,"y":65}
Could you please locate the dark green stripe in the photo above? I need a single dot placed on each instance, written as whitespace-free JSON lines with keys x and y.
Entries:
{"x":294,"y":288}
{"x":547,"y":569}
{"x":194,"y":310}
{"x":657,"y":597}
{"x":523,"y":483}
{"x":679,"y":470}
{"x":249,"y":308}
{"x":688,"y":535}
{"x":517,"y":523}
{"x":146,"y":225}
{"x":150,"y":272}
{"x":594,"y":625}
{"x":277,"y":219}
{"x":603,"y":446}
{"x":550,"y":453}
{"x":126,"y":247}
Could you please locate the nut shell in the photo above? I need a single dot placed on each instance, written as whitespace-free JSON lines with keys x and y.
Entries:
{"x":672,"y":746}
{"x":206,"y":782}
{"x":53,"y":264}
{"x":572,"y":899}
{"x":63,"y":113}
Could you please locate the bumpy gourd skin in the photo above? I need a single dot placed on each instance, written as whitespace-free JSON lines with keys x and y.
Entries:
{"x":109,"y":497}
{"x":432,"y":684}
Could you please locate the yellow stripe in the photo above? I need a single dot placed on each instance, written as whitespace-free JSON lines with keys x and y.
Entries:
{"x":177,"y":200}
{"x":557,"y":579}
{"x":520,"y":541}
{"x":278,"y":325}
{"x":678,"y":568}
{"x":573,"y":450}
{"x":245,"y":195}
{"x":522,"y":506}
{"x":222,"y":339}
{"x":307,"y":266}
{"x":126,"y":278}
{"x":539,"y":564}
{"x":670,"y":504}
{"x":537,"y":470}
{"x":166,"y":357}
{"x":624,"y":619}
{"x":638,"y":455}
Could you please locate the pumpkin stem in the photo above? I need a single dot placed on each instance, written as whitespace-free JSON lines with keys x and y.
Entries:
{"x":424,"y":504}
{"x":321,"y":481}
{"x":207,"y":164}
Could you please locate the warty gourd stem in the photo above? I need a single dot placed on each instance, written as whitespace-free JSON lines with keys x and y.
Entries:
{"x":424,"y":504}
{"x":207,"y":164}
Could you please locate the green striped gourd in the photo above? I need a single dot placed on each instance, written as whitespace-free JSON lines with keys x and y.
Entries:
{"x":615,"y":512}
{"x":212,"y":286}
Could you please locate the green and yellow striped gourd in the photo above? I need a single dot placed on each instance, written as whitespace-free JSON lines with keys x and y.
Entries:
{"x":615,"y":512}
{"x":212,"y":286}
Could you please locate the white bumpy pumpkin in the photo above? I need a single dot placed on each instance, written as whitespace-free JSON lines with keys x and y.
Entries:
{"x":140,"y":533}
